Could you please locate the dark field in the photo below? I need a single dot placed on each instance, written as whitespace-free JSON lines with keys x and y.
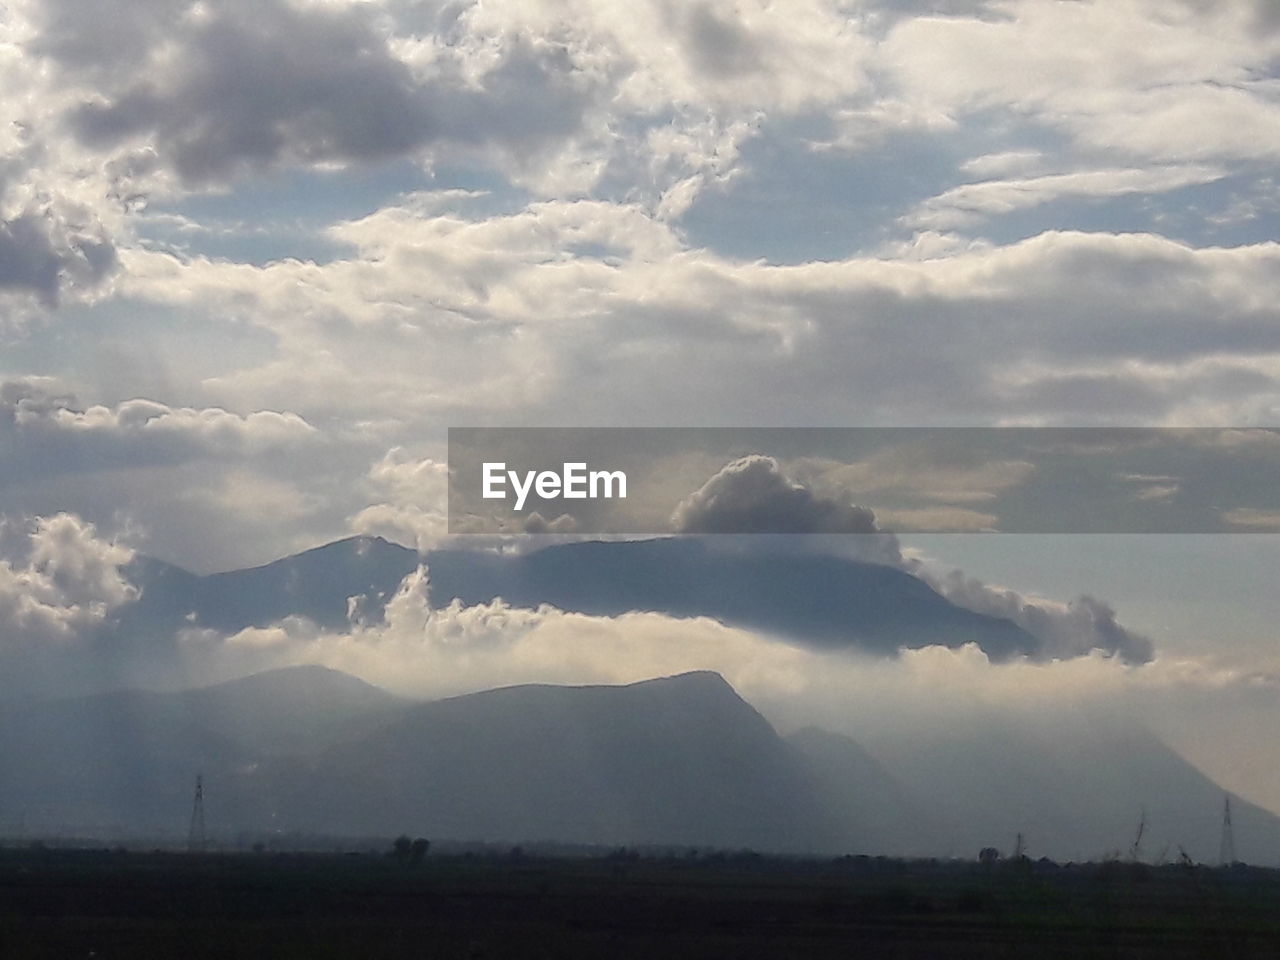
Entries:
{"x":74,"y":904}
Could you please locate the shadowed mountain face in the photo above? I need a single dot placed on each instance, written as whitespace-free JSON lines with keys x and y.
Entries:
{"x":681,"y":760}
{"x":315,"y":584}
{"x":819,"y":599}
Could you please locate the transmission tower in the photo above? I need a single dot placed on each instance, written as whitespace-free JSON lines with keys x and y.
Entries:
{"x":195,"y":835}
{"x":1227,"y":847}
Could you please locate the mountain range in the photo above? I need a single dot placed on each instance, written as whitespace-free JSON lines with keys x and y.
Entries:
{"x":820,"y":599}
{"x":672,"y":761}
{"x":679,"y":760}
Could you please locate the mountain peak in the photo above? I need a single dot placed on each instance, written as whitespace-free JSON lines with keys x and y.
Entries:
{"x":689,"y":677}
{"x":360,"y":546}
{"x":308,"y":680}
{"x":692,"y":681}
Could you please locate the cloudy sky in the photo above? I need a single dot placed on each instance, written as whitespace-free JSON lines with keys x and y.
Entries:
{"x":257,"y":255}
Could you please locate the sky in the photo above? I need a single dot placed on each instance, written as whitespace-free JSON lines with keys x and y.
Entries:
{"x":256,"y":256}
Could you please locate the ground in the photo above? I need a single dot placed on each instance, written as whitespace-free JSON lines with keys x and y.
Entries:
{"x":107,"y":904}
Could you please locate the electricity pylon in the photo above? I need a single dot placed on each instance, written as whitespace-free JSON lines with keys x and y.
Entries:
{"x":1227,"y":846}
{"x":195,"y":835}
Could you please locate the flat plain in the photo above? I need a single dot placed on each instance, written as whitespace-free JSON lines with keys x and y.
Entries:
{"x":107,"y":904}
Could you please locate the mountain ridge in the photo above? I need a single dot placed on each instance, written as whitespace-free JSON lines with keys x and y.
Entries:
{"x":678,"y":760}
{"x":819,"y":599}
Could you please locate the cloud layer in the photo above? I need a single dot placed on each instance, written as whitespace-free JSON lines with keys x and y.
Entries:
{"x":255,"y":257}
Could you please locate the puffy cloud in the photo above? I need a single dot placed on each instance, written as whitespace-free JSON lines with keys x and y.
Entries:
{"x":224,"y":88}
{"x":65,"y":580}
{"x":1061,"y":328}
{"x":1073,"y":629}
{"x":737,"y":57}
{"x":205,"y":486}
{"x":552,"y":93}
{"x":416,"y":509}
{"x":137,"y":430}
{"x":608,"y":299}
{"x":646,"y":99}
{"x":753,"y":495}
{"x":1171,"y":82}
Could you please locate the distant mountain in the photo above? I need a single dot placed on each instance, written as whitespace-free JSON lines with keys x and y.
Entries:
{"x":873,"y":811}
{"x":290,"y":710}
{"x":820,"y":599}
{"x":316,"y":584}
{"x":1075,"y":785}
{"x":681,"y":760}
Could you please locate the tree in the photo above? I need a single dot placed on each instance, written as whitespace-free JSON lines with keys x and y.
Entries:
{"x":401,"y":848}
{"x":408,"y":852}
{"x":418,"y":851}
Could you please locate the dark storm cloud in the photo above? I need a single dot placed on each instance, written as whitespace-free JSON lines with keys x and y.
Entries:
{"x":248,"y":92}
{"x":38,"y":255}
{"x":93,"y":38}
{"x":753,"y":495}
{"x":246,"y":87}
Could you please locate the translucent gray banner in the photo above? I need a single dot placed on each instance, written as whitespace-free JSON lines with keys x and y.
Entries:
{"x":863,"y":480}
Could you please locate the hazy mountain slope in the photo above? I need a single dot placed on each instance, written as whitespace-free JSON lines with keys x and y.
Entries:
{"x":291,"y":710}
{"x":114,"y":763}
{"x":129,"y":759}
{"x":680,"y":760}
{"x":1075,"y":786}
{"x":874,"y":812}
